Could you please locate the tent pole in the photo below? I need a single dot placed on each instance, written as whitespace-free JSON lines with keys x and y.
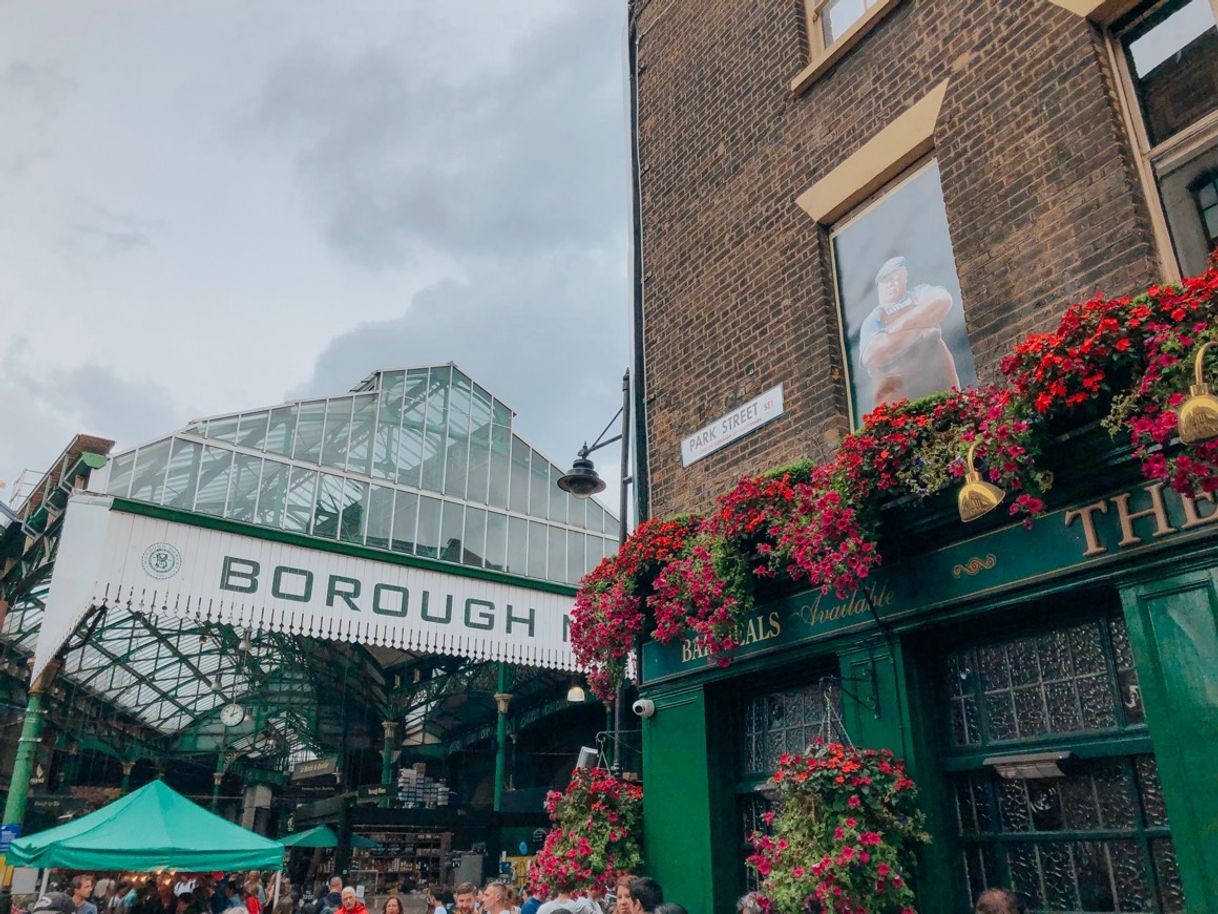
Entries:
{"x":46,"y":875}
{"x":275,"y":892}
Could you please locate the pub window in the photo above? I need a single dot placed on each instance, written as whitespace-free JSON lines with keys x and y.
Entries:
{"x":902,"y":322}
{"x":771,"y":724}
{"x":1168,"y":53}
{"x":834,"y":26}
{"x":1095,"y":838}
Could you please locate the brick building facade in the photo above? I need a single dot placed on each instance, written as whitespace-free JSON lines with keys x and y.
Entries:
{"x":813,"y":175}
{"x":1039,"y":179}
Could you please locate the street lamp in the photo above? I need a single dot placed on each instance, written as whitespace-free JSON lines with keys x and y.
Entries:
{"x":583,"y":481}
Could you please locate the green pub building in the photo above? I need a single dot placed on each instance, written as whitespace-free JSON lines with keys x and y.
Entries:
{"x":809,"y":175}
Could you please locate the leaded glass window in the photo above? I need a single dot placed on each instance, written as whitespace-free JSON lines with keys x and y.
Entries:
{"x":1095,"y":840}
{"x":1066,"y":680}
{"x":787,"y":721}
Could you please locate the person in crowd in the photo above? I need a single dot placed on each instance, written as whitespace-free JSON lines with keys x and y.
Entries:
{"x":82,"y":889}
{"x":465,"y":896}
{"x":495,"y":899}
{"x":252,"y":902}
{"x":564,"y":901}
{"x":748,"y":904}
{"x":532,"y":903}
{"x":513,"y":899}
{"x":392,"y":905}
{"x":435,"y":904}
{"x":352,"y":903}
{"x":671,"y":907}
{"x":645,"y":895}
{"x":333,"y":899}
{"x":621,"y":889}
{"x":53,"y":903}
{"x":596,"y":895}
{"x":998,"y":901}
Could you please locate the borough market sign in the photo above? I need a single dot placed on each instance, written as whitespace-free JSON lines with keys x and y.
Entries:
{"x":161,"y":562}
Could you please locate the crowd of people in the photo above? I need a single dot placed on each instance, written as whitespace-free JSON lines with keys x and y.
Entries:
{"x":180,"y":894}
{"x":220,"y":894}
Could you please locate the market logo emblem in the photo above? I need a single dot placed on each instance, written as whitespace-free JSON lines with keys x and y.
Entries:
{"x":161,"y":560}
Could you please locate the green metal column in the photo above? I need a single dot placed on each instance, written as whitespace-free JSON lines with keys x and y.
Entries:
{"x":217,"y":777}
{"x":503,"y":701}
{"x":126,"y":785}
{"x":27,"y":746}
{"x":387,"y":778}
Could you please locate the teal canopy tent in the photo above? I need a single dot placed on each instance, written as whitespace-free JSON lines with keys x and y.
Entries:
{"x":323,"y":836}
{"x":152,"y":828}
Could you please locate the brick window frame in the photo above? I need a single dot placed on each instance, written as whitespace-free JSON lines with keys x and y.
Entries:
{"x":822,"y":55}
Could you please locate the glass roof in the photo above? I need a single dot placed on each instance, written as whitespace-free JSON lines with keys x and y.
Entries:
{"x":420,"y":461}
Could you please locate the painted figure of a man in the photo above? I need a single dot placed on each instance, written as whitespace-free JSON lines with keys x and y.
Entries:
{"x":901,"y":341}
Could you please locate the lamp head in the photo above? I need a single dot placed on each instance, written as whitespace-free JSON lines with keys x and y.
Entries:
{"x":582,"y":479}
{"x":977,"y":497}
{"x":575,"y":694}
{"x":1198,"y":415}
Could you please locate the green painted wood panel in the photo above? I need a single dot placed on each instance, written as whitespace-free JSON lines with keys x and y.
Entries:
{"x":677,"y":808}
{"x":1173,"y":629}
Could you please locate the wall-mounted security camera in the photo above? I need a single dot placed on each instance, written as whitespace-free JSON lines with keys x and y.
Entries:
{"x":644,"y":707}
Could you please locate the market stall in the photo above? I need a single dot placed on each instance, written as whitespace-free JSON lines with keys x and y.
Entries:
{"x":151,"y":829}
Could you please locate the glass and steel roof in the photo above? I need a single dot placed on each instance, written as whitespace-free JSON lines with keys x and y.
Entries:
{"x":421,"y":461}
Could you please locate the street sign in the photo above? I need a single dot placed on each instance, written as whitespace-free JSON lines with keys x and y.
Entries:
{"x":739,"y":422}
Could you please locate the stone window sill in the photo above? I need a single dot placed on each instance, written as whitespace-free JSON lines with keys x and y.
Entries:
{"x":826,"y":58}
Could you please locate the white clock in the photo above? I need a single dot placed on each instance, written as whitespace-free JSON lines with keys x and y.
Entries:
{"x":232,"y":715}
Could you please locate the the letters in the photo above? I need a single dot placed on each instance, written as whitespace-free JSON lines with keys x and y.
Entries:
{"x":1094,"y":546}
{"x":347,"y":596}
{"x":403,"y":600}
{"x":1192,"y":517}
{"x":486,"y":619}
{"x":1162,"y":525}
{"x":243,"y":579}
{"x":527,"y":620}
{"x":428,"y":617}
{"x":284,"y":571}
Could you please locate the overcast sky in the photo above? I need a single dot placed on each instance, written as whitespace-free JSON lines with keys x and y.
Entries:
{"x":222,"y":204}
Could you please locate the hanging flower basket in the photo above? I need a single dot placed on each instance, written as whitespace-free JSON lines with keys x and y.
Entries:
{"x":843,"y":838}
{"x":597,"y":822}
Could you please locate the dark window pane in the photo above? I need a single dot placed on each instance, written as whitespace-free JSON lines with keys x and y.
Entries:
{"x":1173,"y":56}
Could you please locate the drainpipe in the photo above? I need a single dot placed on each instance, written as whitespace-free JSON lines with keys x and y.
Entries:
{"x":503,"y":701}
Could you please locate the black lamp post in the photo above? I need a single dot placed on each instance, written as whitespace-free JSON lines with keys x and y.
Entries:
{"x":583,"y":481}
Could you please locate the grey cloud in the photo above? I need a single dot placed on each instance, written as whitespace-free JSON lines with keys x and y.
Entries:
{"x":29,"y":99}
{"x":50,"y":407}
{"x":103,"y":231}
{"x":546,"y":338}
{"x":396,"y":162}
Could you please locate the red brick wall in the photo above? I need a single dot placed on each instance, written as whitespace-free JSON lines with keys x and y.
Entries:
{"x":1038,"y":182}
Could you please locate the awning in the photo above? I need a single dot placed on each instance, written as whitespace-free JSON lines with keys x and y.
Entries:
{"x":152,"y":828}
{"x":323,"y":836}
{"x":209,"y":570}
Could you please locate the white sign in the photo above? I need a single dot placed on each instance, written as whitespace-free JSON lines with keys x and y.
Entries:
{"x":739,"y":422}
{"x":149,"y":565}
